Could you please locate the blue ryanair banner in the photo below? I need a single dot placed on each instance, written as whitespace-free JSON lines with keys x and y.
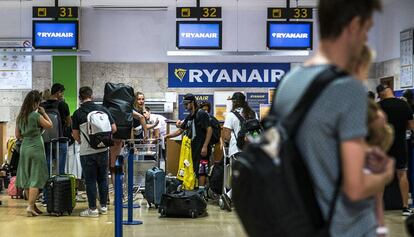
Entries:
{"x":188,"y":75}
{"x":182,"y":113}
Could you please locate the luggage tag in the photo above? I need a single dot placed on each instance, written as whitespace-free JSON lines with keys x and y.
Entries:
{"x":186,"y":163}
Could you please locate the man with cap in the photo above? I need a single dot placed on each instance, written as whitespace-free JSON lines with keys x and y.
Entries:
{"x":400,"y":116}
{"x":197,"y":127}
{"x":231,"y":128}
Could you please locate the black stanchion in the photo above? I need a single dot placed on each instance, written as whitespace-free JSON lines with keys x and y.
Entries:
{"x":118,"y":196}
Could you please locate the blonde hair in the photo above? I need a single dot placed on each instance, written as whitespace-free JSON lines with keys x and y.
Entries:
{"x":365,"y":58}
{"x":46,"y":94}
{"x":382,"y":137}
{"x":136,"y":106}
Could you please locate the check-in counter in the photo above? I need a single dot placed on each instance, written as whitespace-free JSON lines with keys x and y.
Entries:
{"x":173,"y":147}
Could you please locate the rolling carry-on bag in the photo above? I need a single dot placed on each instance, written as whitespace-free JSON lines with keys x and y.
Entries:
{"x":184,"y":203}
{"x":60,"y":189}
{"x":154,"y":186}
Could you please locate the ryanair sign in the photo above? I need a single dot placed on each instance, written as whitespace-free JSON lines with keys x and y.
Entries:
{"x":187,"y":75}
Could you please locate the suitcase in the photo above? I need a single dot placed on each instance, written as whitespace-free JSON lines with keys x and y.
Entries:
{"x":154,"y":186}
{"x":13,"y":191}
{"x":183,"y":203}
{"x":59,"y":195}
{"x":172,"y":184}
{"x":60,"y":190}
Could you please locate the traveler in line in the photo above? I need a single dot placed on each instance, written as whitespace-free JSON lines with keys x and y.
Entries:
{"x":55,"y":101}
{"x":400,"y":116}
{"x":32,"y":170}
{"x":198,"y":128}
{"x":333,"y":133}
{"x":94,"y":161}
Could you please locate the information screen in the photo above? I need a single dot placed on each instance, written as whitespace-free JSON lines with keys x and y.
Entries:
{"x":289,"y":35}
{"x":55,"y":34}
{"x":199,"y":35}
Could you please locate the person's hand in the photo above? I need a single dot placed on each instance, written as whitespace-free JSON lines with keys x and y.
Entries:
{"x":376,"y":160}
{"x":203,"y":151}
{"x":41,"y":110}
{"x":389,"y":171}
{"x":179,"y":123}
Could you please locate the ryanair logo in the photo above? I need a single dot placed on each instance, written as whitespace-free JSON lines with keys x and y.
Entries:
{"x":180,"y":73}
{"x":55,"y":34}
{"x":290,"y":35}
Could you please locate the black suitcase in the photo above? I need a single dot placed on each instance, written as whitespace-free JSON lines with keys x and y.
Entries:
{"x":119,"y":100}
{"x":59,"y":195}
{"x":183,"y":204}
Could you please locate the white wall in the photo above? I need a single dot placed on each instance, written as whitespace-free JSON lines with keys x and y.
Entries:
{"x":396,"y":17}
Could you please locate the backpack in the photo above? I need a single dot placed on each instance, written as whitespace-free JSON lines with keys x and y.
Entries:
{"x":248,"y":127}
{"x":98,"y":130}
{"x":14,"y":158}
{"x":216,"y":177}
{"x":51,"y":109}
{"x":119,"y":100}
{"x":273,"y":174}
{"x":215,"y":125}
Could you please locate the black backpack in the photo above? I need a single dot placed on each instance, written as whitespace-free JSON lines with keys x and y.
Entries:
{"x":52,"y":110}
{"x":277,"y":180}
{"x":119,"y":100}
{"x":215,"y":125}
{"x":250,"y":127}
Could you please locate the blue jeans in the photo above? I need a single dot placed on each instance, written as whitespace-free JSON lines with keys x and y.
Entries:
{"x":62,"y":155}
{"x":95,"y":170}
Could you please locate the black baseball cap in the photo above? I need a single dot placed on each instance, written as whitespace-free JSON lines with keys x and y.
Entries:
{"x":381,"y":88}
{"x":189,"y":98}
{"x":238,"y":96}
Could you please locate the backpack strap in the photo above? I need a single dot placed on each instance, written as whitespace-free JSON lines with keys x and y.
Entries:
{"x":241,"y":120}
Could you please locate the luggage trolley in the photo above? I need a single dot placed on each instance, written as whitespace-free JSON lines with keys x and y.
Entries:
{"x":146,"y":156}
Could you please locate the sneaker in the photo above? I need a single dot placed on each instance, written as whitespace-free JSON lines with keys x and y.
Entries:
{"x":103,"y":210}
{"x":90,"y":213}
{"x":226,"y":202}
{"x":407,"y":212}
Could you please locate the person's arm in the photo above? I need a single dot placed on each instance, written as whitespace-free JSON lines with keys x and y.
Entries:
{"x":177,"y":133}
{"x":204,"y":150}
{"x":68,"y":121}
{"x":17,"y":132}
{"x":226,"y":134}
{"x":44,"y":120}
{"x":76,"y":135}
{"x":410,"y":125}
{"x":114,"y":128}
{"x":356,"y":184}
{"x":156,"y":133}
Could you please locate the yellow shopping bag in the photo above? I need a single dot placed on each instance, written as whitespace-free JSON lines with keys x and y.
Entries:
{"x":185,"y":168}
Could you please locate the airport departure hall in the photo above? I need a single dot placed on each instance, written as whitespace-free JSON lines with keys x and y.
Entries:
{"x":186,"y":118}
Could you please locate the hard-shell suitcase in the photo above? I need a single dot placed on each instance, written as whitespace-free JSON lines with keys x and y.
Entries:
{"x":59,"y":195}
{"x":184,"y":203}
{"x":60,"y":190}
{"x":154,"y":186}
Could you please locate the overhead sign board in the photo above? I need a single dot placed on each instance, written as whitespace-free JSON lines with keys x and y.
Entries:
{"x":55,"y":34}
{"x":289,"y":13}
{"x":289,"y":35}
{"x":230,"y":75}
{"x":55,"y":12}
{"x":199,"y":34}
{"x":199,"y":12}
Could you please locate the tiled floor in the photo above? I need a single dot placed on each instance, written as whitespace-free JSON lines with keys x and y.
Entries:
{"x":14,"y":223}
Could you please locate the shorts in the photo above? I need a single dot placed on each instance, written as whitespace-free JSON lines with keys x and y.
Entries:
{"x":401,"y":163}
{"x":203,"y":168}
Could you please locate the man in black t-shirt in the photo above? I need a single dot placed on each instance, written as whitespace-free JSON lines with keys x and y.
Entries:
{"x":400,"y":116}
{"x":198,"y":128}
{"x":56,"y":99}
{"x":94,"y":161}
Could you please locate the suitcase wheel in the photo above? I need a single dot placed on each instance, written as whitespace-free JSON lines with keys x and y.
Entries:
{"x":221,"y":203}
{"x":193,"y":214}
{"x":162,"y":212}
